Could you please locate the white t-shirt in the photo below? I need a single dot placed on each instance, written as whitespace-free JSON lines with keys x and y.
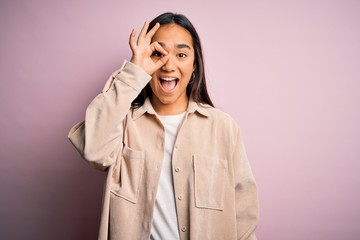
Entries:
{"x":165,"y":225}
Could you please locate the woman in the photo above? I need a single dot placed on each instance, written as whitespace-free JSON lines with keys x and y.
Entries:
{"x":177,"y":167}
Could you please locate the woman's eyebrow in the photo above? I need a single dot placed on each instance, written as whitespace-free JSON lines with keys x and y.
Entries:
{"x":180,"y":45}
{"x":183,"y":46}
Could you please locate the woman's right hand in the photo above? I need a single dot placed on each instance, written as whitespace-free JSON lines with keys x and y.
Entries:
{"x":142,"y":49}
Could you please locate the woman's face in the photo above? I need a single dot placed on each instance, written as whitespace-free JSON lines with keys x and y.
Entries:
{"x":169,"y":83}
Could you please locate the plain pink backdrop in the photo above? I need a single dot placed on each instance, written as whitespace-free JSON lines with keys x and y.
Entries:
{"x":287,"y":71}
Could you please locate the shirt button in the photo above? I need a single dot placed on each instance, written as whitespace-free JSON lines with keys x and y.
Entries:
{"x":183,"y":229}
{"x":177,"y":169}
{"x":180,"y":197}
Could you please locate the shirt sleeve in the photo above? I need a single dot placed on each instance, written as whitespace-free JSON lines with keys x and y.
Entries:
{"x":246,"y":197}
{"x":98,"y":138}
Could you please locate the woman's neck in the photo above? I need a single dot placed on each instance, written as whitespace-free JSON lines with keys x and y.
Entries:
{"x":177,"y":107}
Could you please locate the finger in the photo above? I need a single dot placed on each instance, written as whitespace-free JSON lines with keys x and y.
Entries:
{"x":143,"y":32}
{"x":152,"y":32}
{"x":132,"y":40}
{"x":161,"y":62}
{"x":155,"y":46}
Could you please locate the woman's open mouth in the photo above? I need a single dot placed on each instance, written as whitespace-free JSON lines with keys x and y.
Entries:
{"x":168,"y":84}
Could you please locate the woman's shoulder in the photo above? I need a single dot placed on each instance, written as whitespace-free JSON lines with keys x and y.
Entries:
{"x":219,"y":116}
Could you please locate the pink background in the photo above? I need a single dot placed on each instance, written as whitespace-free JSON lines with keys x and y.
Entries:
{"x":287,"y":71}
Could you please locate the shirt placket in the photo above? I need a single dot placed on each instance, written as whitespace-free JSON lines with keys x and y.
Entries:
{"x":179,"y":180}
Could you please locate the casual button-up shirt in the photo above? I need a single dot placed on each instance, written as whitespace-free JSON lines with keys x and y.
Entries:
{"x":215,"y":191}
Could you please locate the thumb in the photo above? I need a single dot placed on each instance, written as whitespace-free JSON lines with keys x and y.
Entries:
{"x":162,"y":61}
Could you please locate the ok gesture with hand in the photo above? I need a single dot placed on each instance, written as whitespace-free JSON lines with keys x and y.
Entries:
{"x":142,"y":49}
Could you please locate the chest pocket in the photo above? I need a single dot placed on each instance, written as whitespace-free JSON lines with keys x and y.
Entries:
{"x":128,"y":174}
{"x":210,"y":175}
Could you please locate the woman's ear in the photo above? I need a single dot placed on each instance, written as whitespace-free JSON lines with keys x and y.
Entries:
{"x":192,"y":79}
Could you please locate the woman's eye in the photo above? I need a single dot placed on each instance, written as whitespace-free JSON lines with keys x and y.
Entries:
{"x":156,"y":54}
{"x":182,"y":55}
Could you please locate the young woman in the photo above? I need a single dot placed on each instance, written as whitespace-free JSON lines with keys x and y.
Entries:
{"x":176,"y":166}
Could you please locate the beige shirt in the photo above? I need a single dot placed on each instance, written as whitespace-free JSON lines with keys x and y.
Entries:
{"x":215,"y":191}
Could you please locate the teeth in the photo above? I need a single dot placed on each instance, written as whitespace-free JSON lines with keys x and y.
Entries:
{"x":168,"y":78}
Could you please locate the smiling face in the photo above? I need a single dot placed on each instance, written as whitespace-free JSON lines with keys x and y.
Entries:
{"x":169,"y":83}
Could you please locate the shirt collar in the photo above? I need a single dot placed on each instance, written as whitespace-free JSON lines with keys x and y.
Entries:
{"x":193,"y":107}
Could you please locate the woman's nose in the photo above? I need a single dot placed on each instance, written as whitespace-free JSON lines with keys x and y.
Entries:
{"x":168,"y":66}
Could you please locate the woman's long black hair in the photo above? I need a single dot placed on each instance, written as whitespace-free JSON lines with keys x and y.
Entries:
{"x":196,"y":89}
